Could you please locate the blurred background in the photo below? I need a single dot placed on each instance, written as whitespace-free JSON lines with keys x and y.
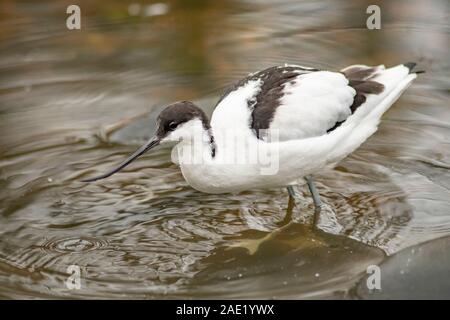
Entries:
{"x":75,"y":101}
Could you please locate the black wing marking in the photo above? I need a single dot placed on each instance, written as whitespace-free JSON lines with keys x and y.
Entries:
{"x":360,"y":79}
{"x":267,"y":100}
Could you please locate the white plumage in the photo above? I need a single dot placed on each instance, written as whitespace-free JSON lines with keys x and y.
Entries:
{"x":311,"y":105}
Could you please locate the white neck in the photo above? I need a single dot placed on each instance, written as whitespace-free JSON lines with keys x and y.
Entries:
{"x":196,"y":144}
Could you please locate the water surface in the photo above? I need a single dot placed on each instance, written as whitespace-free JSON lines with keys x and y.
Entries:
{"x":76,"y":102}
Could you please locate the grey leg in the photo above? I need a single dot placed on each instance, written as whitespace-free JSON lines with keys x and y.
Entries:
{"x":291,"y":192}
{"x":316,"y":199}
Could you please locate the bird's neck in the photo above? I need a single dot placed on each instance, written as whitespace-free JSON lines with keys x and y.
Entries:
{"x":198,"y":145}
{"x":211,"y":141}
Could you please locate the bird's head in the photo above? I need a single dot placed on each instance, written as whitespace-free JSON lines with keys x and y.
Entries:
{"x":177,"y":122}
{"x":180,"y":121}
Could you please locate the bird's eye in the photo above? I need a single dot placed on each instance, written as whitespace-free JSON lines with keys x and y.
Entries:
{"x":173,"y":125}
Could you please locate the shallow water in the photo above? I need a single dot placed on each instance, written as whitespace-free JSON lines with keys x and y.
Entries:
{"x":76,"y":102}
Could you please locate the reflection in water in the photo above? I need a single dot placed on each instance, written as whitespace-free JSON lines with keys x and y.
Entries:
{"x":72,"y":101}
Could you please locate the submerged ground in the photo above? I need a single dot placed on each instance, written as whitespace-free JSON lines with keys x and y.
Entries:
{"x":72,"y":102}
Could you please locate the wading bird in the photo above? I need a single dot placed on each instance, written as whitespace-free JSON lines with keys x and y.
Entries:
{"x":318,"y":118}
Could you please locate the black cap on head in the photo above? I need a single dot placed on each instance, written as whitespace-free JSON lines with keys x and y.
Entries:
{"x":178,"y":113}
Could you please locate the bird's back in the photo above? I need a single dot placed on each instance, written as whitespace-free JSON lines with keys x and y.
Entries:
{"x":293,"y":102}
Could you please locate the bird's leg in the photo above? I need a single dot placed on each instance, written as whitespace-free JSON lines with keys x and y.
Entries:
{"x":316,"y":199}
{"x":291,"y":192}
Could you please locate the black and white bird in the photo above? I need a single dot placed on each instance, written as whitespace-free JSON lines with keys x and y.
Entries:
{"x":277,"y":127}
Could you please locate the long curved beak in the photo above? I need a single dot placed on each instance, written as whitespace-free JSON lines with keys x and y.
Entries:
{"x":153,"y":142}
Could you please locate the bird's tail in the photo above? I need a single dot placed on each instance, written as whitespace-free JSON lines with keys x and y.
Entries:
{"x":364,"y":122}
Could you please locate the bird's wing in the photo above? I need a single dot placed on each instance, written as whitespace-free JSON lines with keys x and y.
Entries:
{"x":315,"y":103}
{"x":293,"y":102}
{"x":309,"y":105}
{"x":236,"y":106}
